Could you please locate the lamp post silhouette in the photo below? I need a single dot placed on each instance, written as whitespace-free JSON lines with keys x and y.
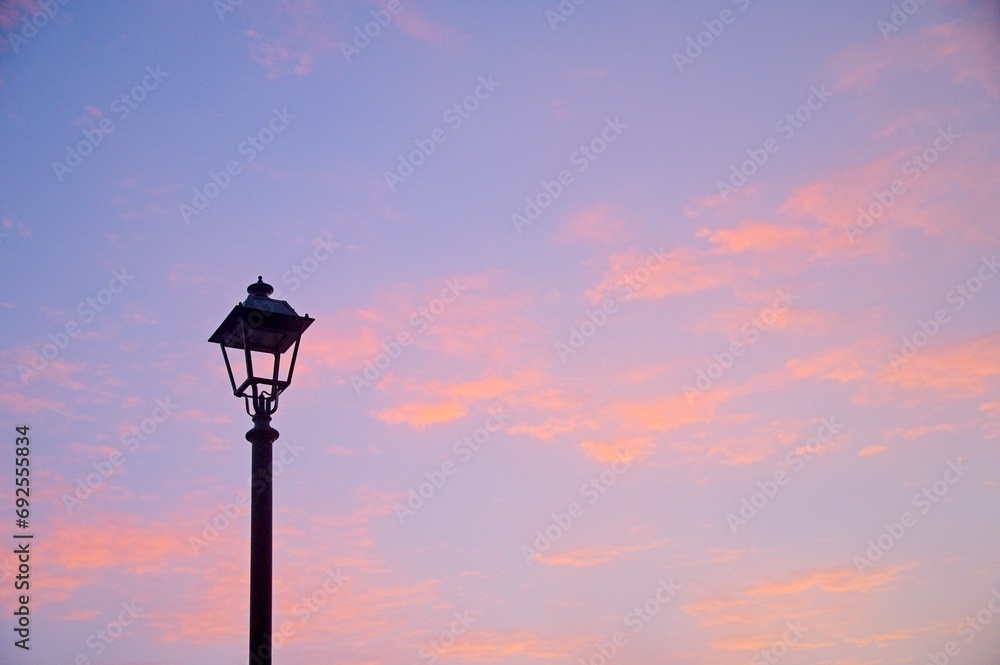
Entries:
{"x":259,"y":326}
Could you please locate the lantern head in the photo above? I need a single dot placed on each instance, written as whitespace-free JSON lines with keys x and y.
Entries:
{"x":266,"y":328}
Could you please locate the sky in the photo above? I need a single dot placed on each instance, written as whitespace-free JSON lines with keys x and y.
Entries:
{"x":660,"y":333}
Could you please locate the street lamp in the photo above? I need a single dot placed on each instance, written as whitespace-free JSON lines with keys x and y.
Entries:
{"x":261,"y":327}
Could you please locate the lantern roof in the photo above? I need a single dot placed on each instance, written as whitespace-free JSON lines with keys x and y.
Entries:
{"x":261,"y":323}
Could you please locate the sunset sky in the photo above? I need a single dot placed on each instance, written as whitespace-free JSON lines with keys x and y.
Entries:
{"x":646,"y":333}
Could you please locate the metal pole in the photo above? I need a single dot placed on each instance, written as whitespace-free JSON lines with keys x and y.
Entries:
{"x":262,"y":436}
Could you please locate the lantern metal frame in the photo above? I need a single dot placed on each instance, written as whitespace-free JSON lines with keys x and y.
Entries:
{"x":262,"y":325}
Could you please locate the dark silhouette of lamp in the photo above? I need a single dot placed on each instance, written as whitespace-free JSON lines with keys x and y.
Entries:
{"x":267,"y":329}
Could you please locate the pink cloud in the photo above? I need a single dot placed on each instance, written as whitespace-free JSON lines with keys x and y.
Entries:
{"x":591,"y":555}
{"x":756,"y":235}
{"x":920,"y":431}
{"x":16,"y":401}
{"x":699,"y":205}
{"x":827,"y":604}
{"x":599,"y":223}
{"x":422,"y":414}
{"x":128,"y":545}
{"x":963,"y":369}
{"x":636,"y":274}
{"x":966,"y":49}
{"x":20,"y":227}
{"x":13,"y":11}
{"x":774,"y":310}
{"x":844,"y":364}
{"x":91,"y":114}
{"x":749,"y":444}
{"x":414,"y":23}
{"x":300,"y":34}
{"x":664,"y":413}
{"x":609,"y":450}
{"x":843,"y":579}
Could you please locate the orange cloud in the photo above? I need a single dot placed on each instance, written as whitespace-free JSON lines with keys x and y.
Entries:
{"x":429,"y":316}
{"x":911,"y":433}
{"x":826,"y":604}
{"x":592,"y":555}
{"x":485,"y":327}
{"x":959,"y":370}
{"x":842,"y":579}
{"x":490,"y":646}
{"x":991,"y":409}
{"x":618,"y":449}
{"x":833,"y":201}
{"x":346,"y":345}
{"x":724,"y":555}
{"x":758,"y":236}
{"x":903,"y":634}
{"x":547,"y":430}
{"x":842,"y":365}
{"x":749,"y":447}
{"x":664,"y":413}
{"x":129,"y":545}
{"x":635,"y":274}
{"x":526,"y":391}
{"x":416,"y":414}
{"x":780,"y":307}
